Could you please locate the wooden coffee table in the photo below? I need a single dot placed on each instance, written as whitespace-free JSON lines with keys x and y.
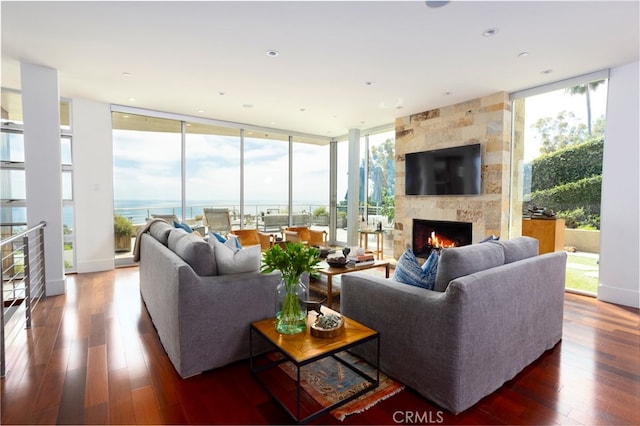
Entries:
{"x":330,"y":271}
{"x":303,"y":348}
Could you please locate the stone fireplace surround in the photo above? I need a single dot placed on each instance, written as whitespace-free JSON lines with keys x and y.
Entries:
{"x":485,"y":120}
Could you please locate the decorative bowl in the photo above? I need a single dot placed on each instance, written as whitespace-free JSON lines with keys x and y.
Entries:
{"x":336,"y":262}
{"x":328,"y":333}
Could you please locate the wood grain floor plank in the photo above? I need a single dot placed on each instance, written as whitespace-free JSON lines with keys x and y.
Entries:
{"x":146,"y":407}
{"x":97,"y":384}
{"x":93,"y":357}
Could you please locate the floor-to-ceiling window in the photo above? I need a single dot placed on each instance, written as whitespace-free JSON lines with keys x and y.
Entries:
{"x":176,"y":165}
{"x":212,"y":170}
{"x":266,"y":173}
{"x":558,"y":151}
{"x":147,"y":180}
{"x":310,"y":177}
{"x":13,"y":193}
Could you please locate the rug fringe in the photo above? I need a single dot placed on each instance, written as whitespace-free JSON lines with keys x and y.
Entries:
{"x":343,"y":416}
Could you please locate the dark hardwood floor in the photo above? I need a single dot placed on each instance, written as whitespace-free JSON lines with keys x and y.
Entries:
{"x":92,"y":357}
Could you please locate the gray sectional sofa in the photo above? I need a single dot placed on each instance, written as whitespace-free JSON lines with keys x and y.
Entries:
{"x":202,"y":317}
{"x":496,"y":307}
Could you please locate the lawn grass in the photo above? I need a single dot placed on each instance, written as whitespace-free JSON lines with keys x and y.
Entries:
{"x":582,"y":273}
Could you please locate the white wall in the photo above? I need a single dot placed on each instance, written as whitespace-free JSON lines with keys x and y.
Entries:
{"x":619,"y":239}
{"x":41,"y":113}
{"x":93,"y":185}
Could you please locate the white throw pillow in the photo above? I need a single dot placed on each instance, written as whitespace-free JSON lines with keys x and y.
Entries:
{"x":229,"y":261}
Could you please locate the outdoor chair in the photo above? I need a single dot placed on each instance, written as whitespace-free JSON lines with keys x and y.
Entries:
{"x":305,"y":235}
{"x":218,"y":220}
{"x":253,"y":237}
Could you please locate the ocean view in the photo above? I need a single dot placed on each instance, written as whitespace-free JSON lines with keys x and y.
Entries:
{"x":138,"y":211}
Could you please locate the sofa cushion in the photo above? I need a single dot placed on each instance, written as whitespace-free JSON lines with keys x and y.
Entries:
{"x":193,"y":250}
{"x":408,"y":271}
{"x":459,"y":261}
{"x":518,"y":248}
{"x":230,"y":261}
{"x":160,"y":231}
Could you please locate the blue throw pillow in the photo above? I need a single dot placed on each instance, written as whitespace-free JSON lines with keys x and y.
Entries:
{"x":430,"y":268}
{"x":184,"y":226}
{"x":218,"y":237}
{"x":234,"y":243}
{"x":409,"y":271}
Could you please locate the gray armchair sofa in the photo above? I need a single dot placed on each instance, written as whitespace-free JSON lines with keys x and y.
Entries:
{"x":497,"y":307}
{"x":201,"y":317}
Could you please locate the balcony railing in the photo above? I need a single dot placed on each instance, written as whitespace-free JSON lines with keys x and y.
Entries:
{"x":23,"y":282}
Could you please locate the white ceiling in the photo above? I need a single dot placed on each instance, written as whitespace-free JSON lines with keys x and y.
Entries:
{"x":182,"y":55}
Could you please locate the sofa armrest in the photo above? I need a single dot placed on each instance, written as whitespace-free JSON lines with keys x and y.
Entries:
{"x":415,"y":325}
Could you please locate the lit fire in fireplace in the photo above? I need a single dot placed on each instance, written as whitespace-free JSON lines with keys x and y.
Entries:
{"x":435,"y":241}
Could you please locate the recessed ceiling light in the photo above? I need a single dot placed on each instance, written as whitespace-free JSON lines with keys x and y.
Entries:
{"x":126,"y":74}
{"x":303,"y":109}
{"x":523,"y":54}
{"x":221,"y":93}
{"x":548,"y":71}
{"x":200,"y":110}
{"x":435,"y":4}
{"x":447,"y":93}
{"x":247,"y":106}
{"x":490,"y":32}
{"x":132,"y":99}
{"x":369,"y":83}
{"x":272,"y":53}
{"x":125,"y":116}
{"x":399,"y":107}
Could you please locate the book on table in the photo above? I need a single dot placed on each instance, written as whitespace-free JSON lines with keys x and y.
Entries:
{"x":361,"y":259}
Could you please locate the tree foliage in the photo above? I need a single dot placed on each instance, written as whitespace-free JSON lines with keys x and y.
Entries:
{"x":382,"y":174}
{"x":567,"y":178}
{"x":567,"y":165}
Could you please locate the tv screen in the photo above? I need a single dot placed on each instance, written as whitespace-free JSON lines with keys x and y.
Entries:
{"x":448,"y":171}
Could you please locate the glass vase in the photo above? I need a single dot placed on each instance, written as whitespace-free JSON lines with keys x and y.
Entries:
{"x":291,"y":306}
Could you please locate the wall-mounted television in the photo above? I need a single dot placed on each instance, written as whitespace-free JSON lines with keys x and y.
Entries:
{"x":448,"y":171}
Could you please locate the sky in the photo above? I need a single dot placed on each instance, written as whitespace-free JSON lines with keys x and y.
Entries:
{"x":551,"y":103}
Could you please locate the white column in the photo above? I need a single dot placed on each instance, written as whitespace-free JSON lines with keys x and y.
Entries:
{"x":93,"y":185}
{"x":353,"y":218}
{"x":43,"y":174}
{"x":619,"y":236}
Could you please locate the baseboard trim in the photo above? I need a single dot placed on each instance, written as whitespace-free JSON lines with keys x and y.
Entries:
{"x":619,"y":296}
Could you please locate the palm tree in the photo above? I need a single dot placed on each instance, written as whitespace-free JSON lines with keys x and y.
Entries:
{"x":582,"y":89}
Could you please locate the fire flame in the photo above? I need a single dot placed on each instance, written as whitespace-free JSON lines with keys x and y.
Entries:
{"x":434,"y":241}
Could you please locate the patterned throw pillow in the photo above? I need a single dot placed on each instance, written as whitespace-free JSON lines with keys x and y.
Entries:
{"x":430,"y":268}
{"x":409,"y":271}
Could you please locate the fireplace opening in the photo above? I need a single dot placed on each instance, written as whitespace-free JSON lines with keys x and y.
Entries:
{"x":437,"y":234}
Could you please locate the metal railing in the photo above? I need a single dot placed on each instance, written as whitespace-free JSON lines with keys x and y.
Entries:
{"x":23,"y":283}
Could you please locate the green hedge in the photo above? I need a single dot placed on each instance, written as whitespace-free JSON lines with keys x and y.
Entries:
{"x":567,"y":165}
{"x":584,"y":194}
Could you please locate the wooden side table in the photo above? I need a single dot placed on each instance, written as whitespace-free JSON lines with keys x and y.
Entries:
{"x":364,"y":241}
{"x":303,"y":349}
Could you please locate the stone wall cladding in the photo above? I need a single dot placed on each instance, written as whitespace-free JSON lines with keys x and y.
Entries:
{"x":484,"y":120}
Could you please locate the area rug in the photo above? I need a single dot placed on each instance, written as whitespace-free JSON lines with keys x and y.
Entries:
{"x":328,"y":381}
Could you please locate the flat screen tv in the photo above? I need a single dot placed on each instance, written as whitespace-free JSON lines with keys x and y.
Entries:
{"x":448,"y":171}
